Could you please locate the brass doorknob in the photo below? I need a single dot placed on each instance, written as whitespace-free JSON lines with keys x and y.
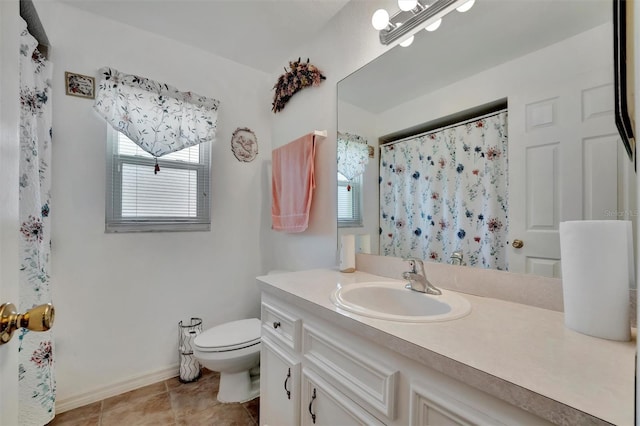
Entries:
{"x":518,"y":244}
{"x":39,"y":318}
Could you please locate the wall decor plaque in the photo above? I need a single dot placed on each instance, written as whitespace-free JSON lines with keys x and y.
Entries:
{"x":82,"y":86}
{"x":244,"y":144}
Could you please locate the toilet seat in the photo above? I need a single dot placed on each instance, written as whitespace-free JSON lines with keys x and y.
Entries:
{"x":230,"y":336}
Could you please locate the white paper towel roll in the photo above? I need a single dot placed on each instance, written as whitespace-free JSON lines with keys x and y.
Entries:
{"x":348,"y":253}
{"x":597,"y":270}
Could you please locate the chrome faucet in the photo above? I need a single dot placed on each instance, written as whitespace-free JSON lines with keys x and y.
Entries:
{"x":456,"y":258}
{"x":418,"y":280}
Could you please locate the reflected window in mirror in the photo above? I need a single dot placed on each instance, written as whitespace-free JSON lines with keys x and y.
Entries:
{"x":349,"y":202}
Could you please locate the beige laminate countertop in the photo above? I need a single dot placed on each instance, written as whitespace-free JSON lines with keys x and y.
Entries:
{"x":526,"y":352}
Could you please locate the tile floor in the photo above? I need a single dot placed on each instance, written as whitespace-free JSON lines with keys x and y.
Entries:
{"x":163,"y":404}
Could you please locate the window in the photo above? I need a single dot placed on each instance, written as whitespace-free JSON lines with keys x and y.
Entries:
{"x":174,"y":199}
{"x":349,"y":202}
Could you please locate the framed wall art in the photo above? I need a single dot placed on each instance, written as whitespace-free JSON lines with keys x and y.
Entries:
{"x":244,"y":144}
{"x":82,"y":86}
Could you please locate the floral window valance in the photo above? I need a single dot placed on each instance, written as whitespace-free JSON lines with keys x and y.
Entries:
{"x":157,"y":117}
{"x":353,"y":155}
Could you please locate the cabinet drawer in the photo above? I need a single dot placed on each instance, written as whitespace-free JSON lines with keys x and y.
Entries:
{"x":356,"y":374}
{"x":284,"y":327}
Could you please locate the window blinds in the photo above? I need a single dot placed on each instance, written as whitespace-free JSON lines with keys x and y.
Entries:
{"x":139,"y":200}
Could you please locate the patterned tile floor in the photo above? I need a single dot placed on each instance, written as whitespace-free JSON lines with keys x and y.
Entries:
{"x":164,"y":404}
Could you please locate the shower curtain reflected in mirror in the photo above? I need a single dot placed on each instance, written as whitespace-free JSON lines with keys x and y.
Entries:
{"x":446,"y":191}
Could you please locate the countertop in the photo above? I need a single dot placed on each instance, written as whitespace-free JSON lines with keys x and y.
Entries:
{"x":530,"y":359}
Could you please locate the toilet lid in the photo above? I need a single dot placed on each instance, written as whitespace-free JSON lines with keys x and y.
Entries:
{"x":229,"y":336}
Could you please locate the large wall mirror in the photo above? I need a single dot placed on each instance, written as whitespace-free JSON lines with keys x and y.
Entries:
{"x":537,"y":78}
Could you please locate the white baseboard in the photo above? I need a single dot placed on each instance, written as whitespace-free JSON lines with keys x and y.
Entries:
{"x":114,"y":389}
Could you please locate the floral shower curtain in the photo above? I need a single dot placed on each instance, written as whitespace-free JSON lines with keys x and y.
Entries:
{"x":446,"y":191}
{"x":36,"y":374}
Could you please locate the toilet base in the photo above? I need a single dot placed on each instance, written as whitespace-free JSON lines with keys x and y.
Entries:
{"x":238,"y":387}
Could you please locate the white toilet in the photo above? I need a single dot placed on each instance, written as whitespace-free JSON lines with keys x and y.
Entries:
{"x":233,"y":349}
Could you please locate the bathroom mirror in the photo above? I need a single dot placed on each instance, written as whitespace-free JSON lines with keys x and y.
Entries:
{"x":551,"y":64}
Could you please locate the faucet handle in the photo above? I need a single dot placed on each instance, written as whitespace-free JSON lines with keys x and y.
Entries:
{"x":413,"y":261}
{"x":457,"y":258}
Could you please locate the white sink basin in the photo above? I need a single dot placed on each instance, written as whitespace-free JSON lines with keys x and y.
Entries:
{"x":390,"y":300}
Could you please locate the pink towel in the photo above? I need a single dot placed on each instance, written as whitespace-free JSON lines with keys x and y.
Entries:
{"x":292,"y":184}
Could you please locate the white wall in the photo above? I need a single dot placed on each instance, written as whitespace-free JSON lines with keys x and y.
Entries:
{"x":119,"y":297}
{"x":115,"y":323}
{"x":344,"y":45}
{"x":546,"y":67}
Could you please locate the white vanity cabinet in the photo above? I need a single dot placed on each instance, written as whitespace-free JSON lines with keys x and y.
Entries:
{"x":314,"y":372}
{"x":280,"y":367}
{"x":285,"y":393}
{"x":289,"y":394}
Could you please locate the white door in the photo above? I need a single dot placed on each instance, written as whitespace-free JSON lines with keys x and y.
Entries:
{"x":566,"y":162}
{"x":9,"y":157}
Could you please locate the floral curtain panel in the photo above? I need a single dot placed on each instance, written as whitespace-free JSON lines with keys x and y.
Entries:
{"x":156,"y":116}
{"x":447,"y":191}
{"x":37,"y":386}
{"x":353,"y":155}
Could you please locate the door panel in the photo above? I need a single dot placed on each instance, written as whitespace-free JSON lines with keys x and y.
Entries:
{"x":564,"y":164}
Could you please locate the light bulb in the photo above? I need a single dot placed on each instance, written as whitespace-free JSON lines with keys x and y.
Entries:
{"x":468,"y":5}
{"x":407,"y":42}
{"x":434,"y":26}
{"x":380,"y":19}
{"x":407,"y":5}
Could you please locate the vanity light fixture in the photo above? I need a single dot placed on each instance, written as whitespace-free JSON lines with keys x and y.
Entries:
{"x":412,"y":17}
{"x":407,"y":5}
{"x":407,"y":41}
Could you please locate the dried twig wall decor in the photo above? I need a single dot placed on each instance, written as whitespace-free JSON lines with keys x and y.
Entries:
{"x":301,"y":75}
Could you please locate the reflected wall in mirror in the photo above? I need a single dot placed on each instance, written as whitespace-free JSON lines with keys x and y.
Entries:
{"x":551,"y":63}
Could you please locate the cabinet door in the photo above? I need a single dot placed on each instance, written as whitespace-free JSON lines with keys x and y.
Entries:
{"x":279,"y":386}
{"x":429,"y":406}
{"x":324,"y":405}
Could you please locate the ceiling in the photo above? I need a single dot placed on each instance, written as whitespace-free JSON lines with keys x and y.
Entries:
{"x":262,"y":34}
{"x":257,"y":33}
{"x":491,"y":33}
